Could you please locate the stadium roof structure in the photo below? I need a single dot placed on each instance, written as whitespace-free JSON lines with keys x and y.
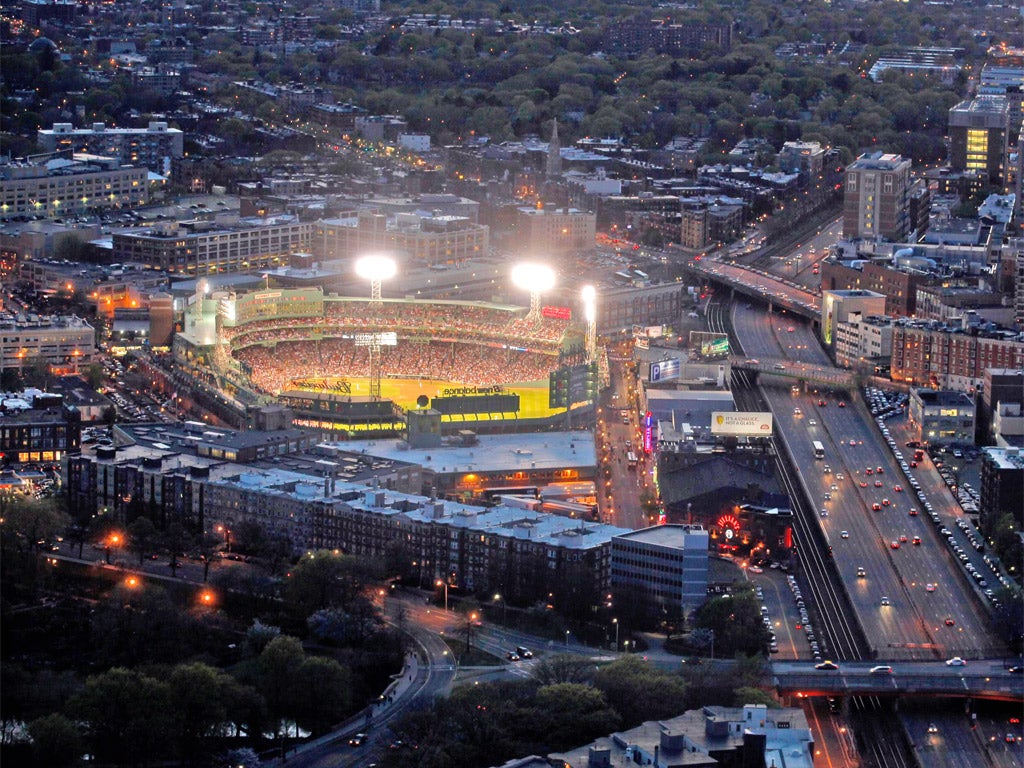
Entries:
{"x":548,"y":450}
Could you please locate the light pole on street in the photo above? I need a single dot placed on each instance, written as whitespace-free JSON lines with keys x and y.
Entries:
{"x":504,"y":608}
{"x":567,"y":639}
{"x":442,"y":583}
{"x":616,"y":623}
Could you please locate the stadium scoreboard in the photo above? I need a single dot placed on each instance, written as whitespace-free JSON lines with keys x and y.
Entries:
{"x":470,"y":404}
{"x":572,"y":384}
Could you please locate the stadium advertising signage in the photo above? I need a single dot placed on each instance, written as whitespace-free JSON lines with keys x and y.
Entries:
{"x":559,"y":313}
{"x":741,"y":423}
{"x":334,"y":385}
{"x":469,"y":404}
{"x":663,"y":370}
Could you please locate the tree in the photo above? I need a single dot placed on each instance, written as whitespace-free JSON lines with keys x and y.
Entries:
{"x":174,"y":540}
{"x":639,"y":692}
{"x":26,"y":521}
{"x":575,"y":714}
{"x":94,"y":375}
{"x":142,"y":534}
{"x":55,"y":741}
{"x":127,"y":713}
{"x":199,"y":693}
{"x":325,"y":579}
{"x":327,"y":694}
{"x":277,"y":679}
{"x":563,"y":668}
{"x":747,"y":695}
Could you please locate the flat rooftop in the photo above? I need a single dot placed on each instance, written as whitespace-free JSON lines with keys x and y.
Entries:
{"x":547,"y":450}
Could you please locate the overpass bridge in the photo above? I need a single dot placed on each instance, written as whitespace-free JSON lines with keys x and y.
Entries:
{"x":763,"y":286}
{"x":977,"y":680}
{"x":824,"y":375}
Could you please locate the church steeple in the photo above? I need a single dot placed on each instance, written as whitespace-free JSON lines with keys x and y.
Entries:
{"x":554,"y":152}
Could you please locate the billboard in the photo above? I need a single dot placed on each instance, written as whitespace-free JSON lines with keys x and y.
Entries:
{"x":741,"y":423}
{"x":705,"y":345}
{"x":559,"y":313}
{"x":470,"y":404}
{"x":664,"y":370}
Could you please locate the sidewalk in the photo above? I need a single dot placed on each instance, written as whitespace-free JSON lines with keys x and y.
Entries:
{"x":364,"y":719}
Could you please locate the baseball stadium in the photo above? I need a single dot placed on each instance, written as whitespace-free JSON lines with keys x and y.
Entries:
{"x":358,"y":365}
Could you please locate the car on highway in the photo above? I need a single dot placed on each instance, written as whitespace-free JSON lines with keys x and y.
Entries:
{"x":827,"y":665}
{"x":524,"y":652}
{"x":1017,"y":669}
{"x":933,"y":728}
{"x":881,"y":669}
{"x":868,"y":470}
{"x":929,"y":587}
{"x":880,"y":470}
{"x":876,"y":507}
{"x":894,"y":544}
{"x":357,"y":740}
{"x":956,"y":661}
{"x":512,"y":656}
{"x":916,"y":541}
{"x":885,"y":502}
{"x":878,"y":483}
{"x":898,"y":488}
{"x":844,"y":534}
{"x":912,"y":512}
{"x":861,"y":573}
{"x":949,"y":622}
{"x":885,"y":601}
{"x":863,"y":483}
{"x":842,"y":404}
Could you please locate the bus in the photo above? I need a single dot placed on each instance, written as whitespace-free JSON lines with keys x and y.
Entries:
{"x":631,"y":460}
{"x":819,"y":449}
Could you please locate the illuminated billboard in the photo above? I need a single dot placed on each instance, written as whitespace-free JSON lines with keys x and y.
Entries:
{"x":705,"y":345}
{"x":663,"y":370}
{"x":741,"y":423}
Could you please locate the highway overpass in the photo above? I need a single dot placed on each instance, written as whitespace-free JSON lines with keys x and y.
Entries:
{"x":984,"y":679}
{"x":825,"y":375}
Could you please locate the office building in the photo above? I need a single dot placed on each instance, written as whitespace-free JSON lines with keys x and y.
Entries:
{"x":978,"y":134}
{"x":60,"y":186}
{"x":665,"y":568}
{"x":198,"y":248}
{"x":1002,"y":484}
{"x":547,"y":232}
{"x":59,"y":340}
{"x":435,"y":240}
{"x":940,"y":416}
{"x":876,"y":198}
{"x":152,"y":147}
{"x":838,"y":307}
{"x":898,"y":286}
{"x":1000,"y":387}
{"x":863,"y":342}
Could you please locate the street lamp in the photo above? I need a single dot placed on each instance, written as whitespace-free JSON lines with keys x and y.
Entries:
{"x":567,"y":640}
{"x":441,"y":583}
{"x":504,"y":608}
{"x":616,"y":623}
{"x":113,"y":540}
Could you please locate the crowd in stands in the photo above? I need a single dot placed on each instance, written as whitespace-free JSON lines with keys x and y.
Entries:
{"x":411,"y":318}
{"x":274,"y":366}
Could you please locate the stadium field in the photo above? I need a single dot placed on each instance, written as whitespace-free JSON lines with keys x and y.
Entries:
{"x":533,"y":395}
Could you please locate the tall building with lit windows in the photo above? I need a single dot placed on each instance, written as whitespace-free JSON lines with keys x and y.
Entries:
{"x":876,"y":201}
{"x":978,"y":132}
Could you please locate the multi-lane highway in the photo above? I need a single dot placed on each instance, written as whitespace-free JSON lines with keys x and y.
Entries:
{"x":914,"y":623}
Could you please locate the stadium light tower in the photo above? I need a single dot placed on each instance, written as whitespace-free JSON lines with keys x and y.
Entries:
{"x":537,"y":279}
{"x":376,"y":269}
{"x":590,"y":314}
